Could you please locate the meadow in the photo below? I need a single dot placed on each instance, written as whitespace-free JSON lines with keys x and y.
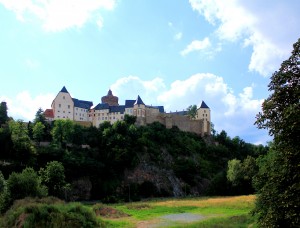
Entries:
{"x":191,"y":212}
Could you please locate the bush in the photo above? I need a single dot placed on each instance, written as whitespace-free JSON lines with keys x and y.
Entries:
{"x":48,"y":212}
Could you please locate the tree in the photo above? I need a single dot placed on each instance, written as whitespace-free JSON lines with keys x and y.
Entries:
{"x":235,"y":172}
{"x":20,"y":139}
{"x":3,"y":113}
{"x":62,"y":131}
{"x":40,"y":116}
{"x":192,"y":111}
{"x":25,"y":184}
{"x":38,"y":131}
{"x":279,"y":178}
{"x":53,"y":176}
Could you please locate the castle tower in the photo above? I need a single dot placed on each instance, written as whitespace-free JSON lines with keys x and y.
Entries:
{"x":110,"y":99}
{"x":63,"y":105}
{"x":203,"y":113}
{"x":139,"y":108}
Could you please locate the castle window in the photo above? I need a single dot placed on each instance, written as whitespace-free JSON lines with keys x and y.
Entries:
{"x":102,"y":118}
{"x":63,"y":111}
{"x":63,"y":97}
{"x":76,"y":108}
{"x":68,"y":106}
{"x":204,"y":111}
{"x":59,"y":105}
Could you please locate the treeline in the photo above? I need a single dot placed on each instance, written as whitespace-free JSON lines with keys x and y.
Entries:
{"x":122,"y":161}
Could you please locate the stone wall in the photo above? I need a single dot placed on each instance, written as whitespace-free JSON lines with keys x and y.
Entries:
{"x":184,"y":123}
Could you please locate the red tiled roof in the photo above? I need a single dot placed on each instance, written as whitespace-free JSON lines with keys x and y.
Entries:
{"x":49,"y":113}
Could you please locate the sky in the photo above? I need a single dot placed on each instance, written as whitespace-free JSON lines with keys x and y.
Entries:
{"x":174,"y":53}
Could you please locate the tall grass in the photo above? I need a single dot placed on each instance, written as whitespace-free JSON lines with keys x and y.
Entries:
{"x":49,"y":212}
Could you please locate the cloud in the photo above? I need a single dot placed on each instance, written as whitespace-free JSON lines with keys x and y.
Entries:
{"x":270,"y":27}
{"x":235,"y":113}
{"x":58,"y":15}
{"x":32,"y":63}
{"x":24,"y":106}
{"x":131,"y":86}
{"x":196,"y":45}
{"x":178,"y":36}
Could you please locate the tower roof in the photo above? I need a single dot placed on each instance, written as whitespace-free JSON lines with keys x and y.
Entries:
{"x":139,"y":101}
{"x":64,"y":90}
{"x":203,"y":105}
{"x":109,"y":93}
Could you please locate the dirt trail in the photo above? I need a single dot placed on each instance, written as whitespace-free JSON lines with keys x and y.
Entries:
{"x":172,"y":219}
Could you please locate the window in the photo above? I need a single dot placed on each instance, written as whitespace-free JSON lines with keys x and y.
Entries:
{"x":63,"y":97}
{"x":102,"y":118}
{"x":105,"y":118}
{"x":59,"y":105}
{"x":204,"y":111}
{"x":68,"y":106}
{"x":76,"y":108}
{"x":63,"y":111}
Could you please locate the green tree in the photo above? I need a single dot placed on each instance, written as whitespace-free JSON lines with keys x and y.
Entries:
{"x":278,"y":179}
{"x":235,"y":171}
{"x":53,"y":176}
{"x":38,"y":131}
{"x":25,"y":184}
{"x":192,"y":111}
{"x":40,"y":116}
{"x":20,"y":139}
{"x":62,"y":131}
{"x":3,"y":113}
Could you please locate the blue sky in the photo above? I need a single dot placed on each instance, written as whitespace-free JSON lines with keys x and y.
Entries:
{"x":172,"y":52}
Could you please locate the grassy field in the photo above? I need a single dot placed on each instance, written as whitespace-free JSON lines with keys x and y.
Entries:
{"x":214,"y":212}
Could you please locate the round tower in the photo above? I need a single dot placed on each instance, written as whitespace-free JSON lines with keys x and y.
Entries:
{"x":110,"y":99}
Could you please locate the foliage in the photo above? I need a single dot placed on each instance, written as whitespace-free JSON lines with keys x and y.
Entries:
{"x":53,"y":176}
{"x":62,"y":131}
{"x":40,"y":117}
{"x":49,"y":212}
{"x":278,"y":179}
{"x":192,"y":111}
{"x":3,"y":113}
{"x":20,"y":139}
{"x":38,"y":131}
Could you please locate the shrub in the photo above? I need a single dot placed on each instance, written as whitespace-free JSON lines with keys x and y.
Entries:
{"x":48,"y":212}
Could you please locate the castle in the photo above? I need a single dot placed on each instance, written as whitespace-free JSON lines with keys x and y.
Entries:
{"x":83,"y":112}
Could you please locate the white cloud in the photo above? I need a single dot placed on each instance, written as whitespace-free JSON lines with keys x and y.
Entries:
{"x":196,"y":45}
{"x":58,"y":15}
{"x":232,"y":112}
{"x":32,"y":63}
{"x":270,"y":27}
{"x":178,"y":36}
{"x":24,"y":106}
{"x":100,"y":22}
{"x":131,"y":86}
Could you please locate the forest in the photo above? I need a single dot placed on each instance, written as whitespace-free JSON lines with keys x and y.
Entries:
{"x":121,"y":162}
{"x":125,"y":162}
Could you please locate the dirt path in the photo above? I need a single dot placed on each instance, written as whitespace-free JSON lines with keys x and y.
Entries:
{"x":172,"y":219}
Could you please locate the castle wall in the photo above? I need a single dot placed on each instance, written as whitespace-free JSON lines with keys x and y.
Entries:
{"x":184,"y":123}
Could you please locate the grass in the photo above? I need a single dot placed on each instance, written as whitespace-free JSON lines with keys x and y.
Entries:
{"x":218,"y":212}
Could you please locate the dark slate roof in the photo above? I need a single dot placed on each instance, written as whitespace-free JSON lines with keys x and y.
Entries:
{"x":129,"y":103}
{"x":82,"y":104}
{"x":160,"y":108}
{"x":181,"y":113}
{"x":64,"y":90}
{"x":203,"y":105}
{"x":119,"y":108}
{"x":101,"y":106}
{"x":139,"y":101}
